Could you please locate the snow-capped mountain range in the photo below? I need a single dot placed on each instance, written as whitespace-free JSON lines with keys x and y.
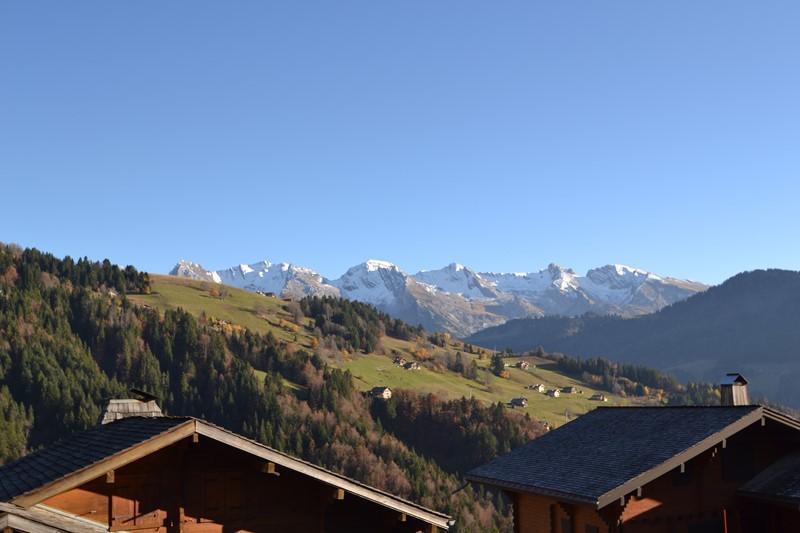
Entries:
{"x":458,"y":299}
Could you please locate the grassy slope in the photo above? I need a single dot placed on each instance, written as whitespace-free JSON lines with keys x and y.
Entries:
{"x":239,"y":307}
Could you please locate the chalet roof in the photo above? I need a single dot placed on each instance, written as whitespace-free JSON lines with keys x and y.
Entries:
{"x":778,"y":482}
{"x":90,"y":454}
{"x":611,"y":451}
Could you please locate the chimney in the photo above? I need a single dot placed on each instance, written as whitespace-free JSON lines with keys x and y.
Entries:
{"x":733,"y":390}
{"x":142,"y":404}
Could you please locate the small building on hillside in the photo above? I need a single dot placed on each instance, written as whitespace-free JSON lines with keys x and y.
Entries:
{"x":519,"y":402}
{"x":569,"y":390}
{"x":714,"y":469}
{"x":523,"y":365}
{"x":599,"y":397}
{"x":411,"y":365}
{"x":554,"y":393}
{"x":537,"y":387}
{"x":399,"y":361}
{"x":159,"y":474}
{"x":384,"y":393}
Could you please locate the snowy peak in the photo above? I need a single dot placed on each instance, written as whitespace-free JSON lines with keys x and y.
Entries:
{"x":372,"y":265}
{"x":373,"y":281}
{"x":457,"y":279}
{"x":187,"y":269}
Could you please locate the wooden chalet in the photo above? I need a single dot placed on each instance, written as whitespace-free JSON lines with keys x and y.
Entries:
{"x":162,"y":474}
{"x":718,"y":469}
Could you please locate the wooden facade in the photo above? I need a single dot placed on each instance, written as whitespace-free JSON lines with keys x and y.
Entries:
{"x":208,"y":487}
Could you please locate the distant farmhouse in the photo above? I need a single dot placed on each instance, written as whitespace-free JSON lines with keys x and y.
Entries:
{"x":384,"y":393}
{"x":599,"y":397}
{"x":537,"y":387}
{"x":554,"y":393}
{"x":148,"y":473}
{"x":519,"y":402}
{"x":523,"y":365}
{"x":569,"y":390}
{"x":733,"y":468}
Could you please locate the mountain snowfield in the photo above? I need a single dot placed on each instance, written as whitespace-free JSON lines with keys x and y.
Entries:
{"x":458,"y":299}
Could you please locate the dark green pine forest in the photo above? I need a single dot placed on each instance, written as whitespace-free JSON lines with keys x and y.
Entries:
{"x":70,"y":339}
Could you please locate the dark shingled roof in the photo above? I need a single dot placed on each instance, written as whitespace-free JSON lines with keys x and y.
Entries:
{"x":605,"y":448}
{"x":79,"y":451}
{"x":780,"y":481}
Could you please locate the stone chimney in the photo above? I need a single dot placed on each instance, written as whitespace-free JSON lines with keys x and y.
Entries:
{"x":142,"y":404}
{"x":733,"y":390}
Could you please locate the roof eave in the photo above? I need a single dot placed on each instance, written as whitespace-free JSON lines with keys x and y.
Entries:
{"x":518,"y":487}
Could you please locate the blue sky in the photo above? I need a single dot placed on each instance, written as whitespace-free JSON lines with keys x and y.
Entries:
{"x":505,"y":136}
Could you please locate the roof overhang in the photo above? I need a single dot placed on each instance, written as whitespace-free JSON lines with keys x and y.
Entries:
{"x":517,"y":487}
{"x":208,"y":430}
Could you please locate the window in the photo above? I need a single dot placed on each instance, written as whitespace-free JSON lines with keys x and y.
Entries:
{"x":566,"y":524}
{"x":592,"y":529}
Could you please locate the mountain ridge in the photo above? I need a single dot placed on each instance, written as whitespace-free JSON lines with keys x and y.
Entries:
{"x":458,"y":299}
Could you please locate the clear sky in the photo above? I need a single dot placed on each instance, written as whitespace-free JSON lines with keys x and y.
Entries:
{"x":502,"y":135}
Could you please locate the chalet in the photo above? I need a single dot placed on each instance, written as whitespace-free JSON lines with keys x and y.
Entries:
{"x":399,"y":361}
{"x":411,"y":365}
{"x":537,"y":387}
{"x":599,"y":397}
{"x":519,"y":402}
{"x":384,"y":393}
{"x":160,"y":474}
{"x":569,"y":390}
{"x":554,"y":393}
{"x":523,"y":365}
{"x":731,"y":468}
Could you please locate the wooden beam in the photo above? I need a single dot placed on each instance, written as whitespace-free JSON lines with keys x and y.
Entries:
{"x":403,"y":517}
{"x":269,"y":468}
{"x":98,"y":469}
{"x":110,"y":476}
{"x":338,"y":494}
{"x":195,"y":438}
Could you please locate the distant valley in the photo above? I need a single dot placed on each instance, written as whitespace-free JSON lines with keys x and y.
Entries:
{"x":749,"y":324}
{"x":459,"y":300}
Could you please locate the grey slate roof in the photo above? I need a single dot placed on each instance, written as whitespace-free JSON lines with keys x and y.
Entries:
{"x":605,"y":448}
{"x":79,"y":451}
{"x":780,"y":481}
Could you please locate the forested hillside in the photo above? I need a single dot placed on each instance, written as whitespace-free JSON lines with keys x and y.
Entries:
{"x":748,"y":323}
{"x":70,"y":338}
